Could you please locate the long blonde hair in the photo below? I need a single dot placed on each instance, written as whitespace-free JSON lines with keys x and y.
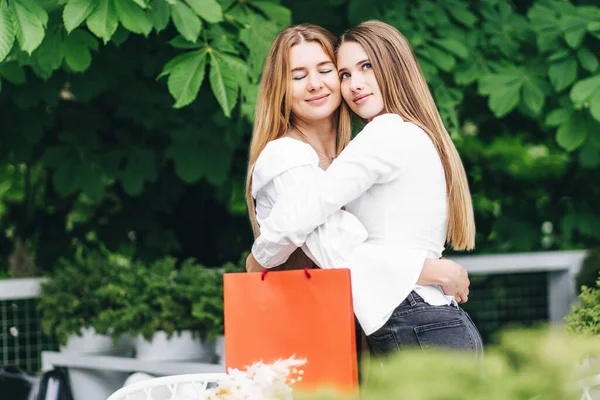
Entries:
{"x":405,"y":92}
{"x":273,"y":115}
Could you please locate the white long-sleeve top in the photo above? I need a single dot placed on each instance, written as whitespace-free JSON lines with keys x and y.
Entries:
{"x":391,"y":178}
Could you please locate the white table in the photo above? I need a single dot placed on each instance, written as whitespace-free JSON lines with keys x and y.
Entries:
{"x":51,"y":359}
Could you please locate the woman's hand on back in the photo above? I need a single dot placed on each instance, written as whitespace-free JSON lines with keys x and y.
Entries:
{"x":455,"y":280}
{"x":449,"y":275}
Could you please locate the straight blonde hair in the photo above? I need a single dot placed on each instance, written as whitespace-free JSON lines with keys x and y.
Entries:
{"x":273,"y":115}
{"x":406,"y":93}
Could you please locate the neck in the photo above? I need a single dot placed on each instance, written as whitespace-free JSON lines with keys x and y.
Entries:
{"x":321,"y":135}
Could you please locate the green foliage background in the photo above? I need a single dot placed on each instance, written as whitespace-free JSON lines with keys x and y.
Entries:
{"x":125,"y":123}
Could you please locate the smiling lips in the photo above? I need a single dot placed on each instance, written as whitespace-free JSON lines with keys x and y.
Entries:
{"x":359,"y":99}
{"x":317,"y":99}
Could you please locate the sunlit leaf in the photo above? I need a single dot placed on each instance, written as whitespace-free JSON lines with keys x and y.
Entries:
{"x":75,"y":12}
{"x":224,"y":79}
{"x":133,"y":17}
{"x":186,"y":22}
{"x":160,"y":14}
{"x":30,"y":20}
{"x":209,"y":10}
{"x":8,"y":30}
{"x":186,"y":78}
{"x":103,"y":21}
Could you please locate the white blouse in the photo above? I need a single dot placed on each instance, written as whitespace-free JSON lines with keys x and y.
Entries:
{"x":391,"y":181}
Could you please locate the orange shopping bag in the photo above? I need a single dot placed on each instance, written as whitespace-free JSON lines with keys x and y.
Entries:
{"x":307,"y":314}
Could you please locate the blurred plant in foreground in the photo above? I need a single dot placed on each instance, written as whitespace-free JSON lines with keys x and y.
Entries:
{"x":540,"y":363}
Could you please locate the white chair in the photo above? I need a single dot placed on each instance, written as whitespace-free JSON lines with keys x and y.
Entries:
{"x":586,"y":386}
{"x":175,"y":387}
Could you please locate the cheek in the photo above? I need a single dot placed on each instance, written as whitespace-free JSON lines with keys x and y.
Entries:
{"x":298,"y":90}
{"x":333,"y":82}
{"x":346,"y":92}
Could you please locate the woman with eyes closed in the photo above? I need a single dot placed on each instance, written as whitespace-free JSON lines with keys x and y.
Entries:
{"x":298,"y":124}
{"x":401,"y":177}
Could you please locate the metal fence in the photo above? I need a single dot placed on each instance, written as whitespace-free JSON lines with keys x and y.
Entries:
{"x":521,"y":289}
{"x":21,"y":337}
{"x":506,"y":290}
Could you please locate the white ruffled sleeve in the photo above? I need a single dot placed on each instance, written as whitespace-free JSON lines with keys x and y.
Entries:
{"x":374,"y":156}
{"x":290,"y":165}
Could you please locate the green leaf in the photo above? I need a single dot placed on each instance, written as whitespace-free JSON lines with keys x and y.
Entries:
{"x":35,"y":7}
{"x":186,"y":157}
{"x":589,"y":156}
{"x":65,"y":178}
{"x":557,"y":117}
{"x":559,"y":55}
{"x":141,"y":167}
{"x":583,"y":89}
{"x":50,"y":54}
{"x":186,"y":22}
{"x":12,"y":72}
{"x":103,"y":22}
{"x":563,"y":73}
{"x":30,"y":20}
{"x":33,"y":130}
{"x":77,"y":50}
{"x":216,"y":160}
{"x":8,"y":30}
{"x":210,"y":10}
{"x":440,"y":58}
{"x":160,"y":14}
{"x":142,"y":3}
{"x":533,"y":96}
{"x":133,"y":17}
{"x":505,"y":100}
{"x":593,"y":130}
{"x":575,"y":37}
{"x":279,"y":14}
{"x":575,"y":28}
{"x":453,"y":46}
{"x":168,"y":67}
{"x":493,"y":82}
{"x":55,"y":156}
{"x":361,"y":10}
{"x":120,"y":36}
{"x":89,"y":178}
{"x":224,"y":80}
{"x":258,"y":37}
{"x":186,"y":78}
{"x":571,"y":134}
{"x":588,"y":60}
{"x":595,"y":106}
{"x":463,"y":15}
{"x":75,"y":12}
{"x":180,"y":43}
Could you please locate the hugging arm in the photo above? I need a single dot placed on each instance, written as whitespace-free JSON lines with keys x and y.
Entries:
{"x":374,"y":156}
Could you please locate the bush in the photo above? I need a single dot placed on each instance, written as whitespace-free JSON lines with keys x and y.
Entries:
{"x":524,"y":365}
{"x":69,"y":301}
{"x":585,"y":316}
{"x":165,"y":297}
{"x":590,"y":268}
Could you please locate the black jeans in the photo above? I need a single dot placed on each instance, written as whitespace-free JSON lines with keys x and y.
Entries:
{"x":414,"y":323}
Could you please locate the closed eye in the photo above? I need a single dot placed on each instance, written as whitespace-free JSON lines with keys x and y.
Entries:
{"x":326,"y":71}
{"x":299,"y":78}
